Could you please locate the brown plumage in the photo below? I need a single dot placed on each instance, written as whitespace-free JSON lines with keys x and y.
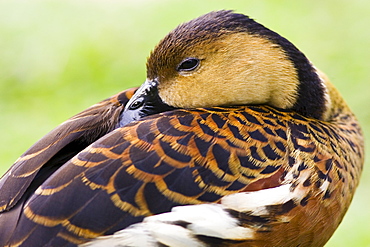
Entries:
{"x":258,"y":131}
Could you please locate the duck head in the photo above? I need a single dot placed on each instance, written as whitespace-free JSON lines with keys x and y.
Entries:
{"x":225,"y":59}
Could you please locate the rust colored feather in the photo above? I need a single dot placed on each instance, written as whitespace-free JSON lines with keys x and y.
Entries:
{"x":187,"y":157}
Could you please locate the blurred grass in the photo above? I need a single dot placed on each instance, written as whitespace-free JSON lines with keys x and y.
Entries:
{"x":59,"y":57}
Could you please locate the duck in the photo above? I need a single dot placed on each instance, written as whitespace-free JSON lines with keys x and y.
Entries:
{"x":234,"y":139}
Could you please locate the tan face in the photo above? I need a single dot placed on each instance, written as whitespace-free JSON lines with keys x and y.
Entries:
{"x":235,"y":69}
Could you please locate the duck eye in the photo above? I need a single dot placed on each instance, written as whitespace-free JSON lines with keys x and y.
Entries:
{"x":136,"y":104}
{"x":188,"y":64}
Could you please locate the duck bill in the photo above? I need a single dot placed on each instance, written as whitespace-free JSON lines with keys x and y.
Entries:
{"x":147,"y":92}
{"x":144,"y":102}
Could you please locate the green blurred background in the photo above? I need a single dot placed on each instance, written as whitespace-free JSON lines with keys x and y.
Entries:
{"x":59,"y":57}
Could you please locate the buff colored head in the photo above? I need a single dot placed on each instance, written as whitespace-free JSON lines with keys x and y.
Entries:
{"x":224,"y":59}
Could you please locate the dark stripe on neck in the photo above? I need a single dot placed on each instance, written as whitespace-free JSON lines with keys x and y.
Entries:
{"x":311,"y":100}
{"x":311,"y":92}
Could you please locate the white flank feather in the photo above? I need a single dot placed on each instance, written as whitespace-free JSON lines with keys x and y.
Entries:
{"x":181,"y":226}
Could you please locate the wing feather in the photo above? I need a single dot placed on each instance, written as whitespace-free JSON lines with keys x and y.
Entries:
{"x":148,"y":167}
{"x":184,"y":157}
